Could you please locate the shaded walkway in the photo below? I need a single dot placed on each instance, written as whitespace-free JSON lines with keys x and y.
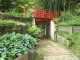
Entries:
{"x":53,"y":51}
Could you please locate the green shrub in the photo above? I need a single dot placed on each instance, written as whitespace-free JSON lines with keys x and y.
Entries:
{"x":14,"y":45}
{"x":34,"y":32}
{"x":66,"y":16}
{"x":56,"y":21}
{"x":77,"y":11}
{"x":30,"y":13}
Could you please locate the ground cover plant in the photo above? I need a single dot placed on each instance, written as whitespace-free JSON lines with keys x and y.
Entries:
{"x":74,"y":41}
{"x":13,"y":13}
{"x":73,"y":22}
{"x":14,"y":45}
{"x":9,"y":22}
{"x":39,"y":56}
{"x":64,"y":34}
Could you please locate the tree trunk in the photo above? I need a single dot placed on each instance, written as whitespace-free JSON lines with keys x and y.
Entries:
{"x":64,"y":6}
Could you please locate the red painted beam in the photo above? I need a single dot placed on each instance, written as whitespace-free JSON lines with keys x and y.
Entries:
{"x":42,"y":20}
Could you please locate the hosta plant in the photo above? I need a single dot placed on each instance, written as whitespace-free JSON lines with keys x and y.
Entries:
{"x":14,"y":45}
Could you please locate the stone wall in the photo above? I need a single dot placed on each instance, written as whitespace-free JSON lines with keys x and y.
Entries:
{"x":69,"y":29}
{"x":76,"y":28}
{"x":17,"y":28}
{"x":31,"y":55}
{"x":14,"y":18}
{"x":23,"y":57}
{"x":61,"y":40}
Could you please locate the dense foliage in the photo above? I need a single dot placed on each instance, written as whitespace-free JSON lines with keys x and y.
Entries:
{"x":74,"y":41}
{"x":7,"y":23}
{"x":53,"y":5}
{"x":66,"y":16}
{"x":73,"y":22}
{"x":14,"y":45}
{"x":34,"y":32}
{"x":6,"y":5}
{"x":16,"y":5}
{"x":77,"y":10}
{"x":59,"y":5}
{"x":13,"y":13}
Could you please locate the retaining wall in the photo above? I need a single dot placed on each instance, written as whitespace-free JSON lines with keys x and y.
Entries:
{"x":31,"y":55}
{"x":69,"y":29}
{"x":14,"y":18}
{"x":23,"y":57}
{"x":17,"y":28}
{"x":61,"y":40}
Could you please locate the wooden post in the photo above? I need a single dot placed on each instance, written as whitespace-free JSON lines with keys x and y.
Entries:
{"x":31,"y":54}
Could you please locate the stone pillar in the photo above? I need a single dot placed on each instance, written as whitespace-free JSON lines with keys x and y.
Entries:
{"x":33,"y":22}
{"x":23,"y":30}
{"x":53,"y":29}
{"x":45,"y":29}
{"x":31,"y":54}
{"x":1,"y":16}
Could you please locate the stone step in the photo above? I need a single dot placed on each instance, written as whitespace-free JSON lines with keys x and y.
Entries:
{"x":60,"y":56}
{"x":57,"y":54}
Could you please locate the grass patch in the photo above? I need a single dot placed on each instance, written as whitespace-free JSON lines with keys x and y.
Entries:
{"x":74,"y":41}
{"x":38,"y":56}
{"x":64,"y":34}
{"x":74,"y":22}
{"x":10,"y":22}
